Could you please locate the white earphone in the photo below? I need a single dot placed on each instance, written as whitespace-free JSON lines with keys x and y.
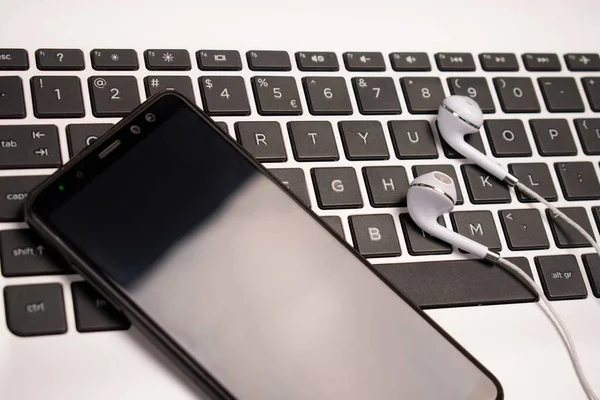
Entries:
{"x":434,"y":194}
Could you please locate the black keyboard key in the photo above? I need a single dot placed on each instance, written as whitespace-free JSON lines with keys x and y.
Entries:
{"x":219,"y":60}
{"x":335,"y":223}
{"x":588,"y":130}
{"x":276,"y":95}
{"x":592,"y":267}
{"x":313,"y":141}
{"x":524,"y":229}
{"x":447,"y":169}
{"x":114,"y":60}
{"x":375,"y":235}
{"x":376,"y":95}
{"x":60,"y":60}
{"x":412,"y":139}
{"x":13,"y":193}
{"x":317,"y":61}
{"x":420,"y":242}
{"x":578,"y":180}
{"x":327,"y":95}
{"x":363,"y":140}
{"x":336,"y":187}
{"x":93,"y":313}
{"x":410,"y":62}
{"x":33,"y":310}
{"x":22,"y":254}
{"x":268,"y":60}
{"x":541,"y":62}
{"x":179,"y":84}
{"x":561,"y":277}
{"x":12,"y":100}
{"x":80,"y":136}
{"x":499,"y":62}
{"x":386,"y":186}
{"x":167,"y":60}
{"x":583,"y":62}
{"x":473,"y":140}
{"x":14,"y":60}
{"x":364,"y":61}
{"x":565,"y":235}
{"x":507,"y":138}
{"x":423,"y":94}
{"x":223,"y":126}
{"x":475,"y":88}
{"x":294,"y":180}
{"x":553,"y":137}
{"x":561,"y":94}
{"x":224,"y":95}
{"x":536,"y":176}
{"x":517,"y":95}
{"x":29,"y":146}
{"x":592,"y":91}
{"x":478,"y":226}
{"x":457,"y":283}
{"x":262,"y":139}
{"x":484,"y":188}
{"x":57,"y":97}
{"x":455,"y":61}
{"x":113,"y":96}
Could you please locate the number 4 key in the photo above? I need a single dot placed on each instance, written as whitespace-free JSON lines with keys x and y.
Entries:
{"x":224,"y":95}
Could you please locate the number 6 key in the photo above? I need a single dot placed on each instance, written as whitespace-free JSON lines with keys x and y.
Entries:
{"x":327,"y":95}
{"x":113,"y":96}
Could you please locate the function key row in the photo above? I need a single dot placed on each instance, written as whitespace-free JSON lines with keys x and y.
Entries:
{"x":279,"y":60}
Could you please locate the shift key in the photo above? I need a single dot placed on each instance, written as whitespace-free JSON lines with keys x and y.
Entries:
{"x":22,"y":254}
{"x":29,"y":146}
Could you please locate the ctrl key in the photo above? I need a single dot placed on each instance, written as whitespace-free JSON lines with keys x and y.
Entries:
{"x":34,"y":310}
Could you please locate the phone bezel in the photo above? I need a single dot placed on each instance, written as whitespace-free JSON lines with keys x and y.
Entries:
{"x":44,"y":197}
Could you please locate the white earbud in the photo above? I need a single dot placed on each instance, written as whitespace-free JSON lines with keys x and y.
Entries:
{"x":434,"y":194}
{"x":459,"y":116}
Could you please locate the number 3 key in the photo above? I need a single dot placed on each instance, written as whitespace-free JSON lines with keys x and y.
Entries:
{"x":113,"y":96}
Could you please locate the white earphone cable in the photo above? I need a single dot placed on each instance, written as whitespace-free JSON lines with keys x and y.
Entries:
{"x":556,"y":320}
{"x":562,"y":215}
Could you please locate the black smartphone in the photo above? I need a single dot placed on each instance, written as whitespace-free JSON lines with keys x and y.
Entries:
{"x":228,"y":272}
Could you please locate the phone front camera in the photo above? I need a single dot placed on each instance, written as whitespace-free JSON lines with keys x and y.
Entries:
{"x":135,"y":129}
{"x":79,"y":174}
{"x":150,"y":117}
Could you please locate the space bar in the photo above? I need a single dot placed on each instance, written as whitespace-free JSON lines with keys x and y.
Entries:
{"x":457,"y":283}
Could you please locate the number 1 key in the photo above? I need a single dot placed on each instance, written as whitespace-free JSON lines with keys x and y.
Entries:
{"x":57,"y":97}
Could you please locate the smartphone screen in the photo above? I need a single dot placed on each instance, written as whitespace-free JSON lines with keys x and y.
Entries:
{"x":247,"y":282}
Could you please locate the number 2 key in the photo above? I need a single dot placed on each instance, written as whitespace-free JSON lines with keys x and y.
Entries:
{"x":113,"y":96}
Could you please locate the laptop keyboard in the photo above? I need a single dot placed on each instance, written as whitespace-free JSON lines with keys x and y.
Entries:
{"x":346,"y":133}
